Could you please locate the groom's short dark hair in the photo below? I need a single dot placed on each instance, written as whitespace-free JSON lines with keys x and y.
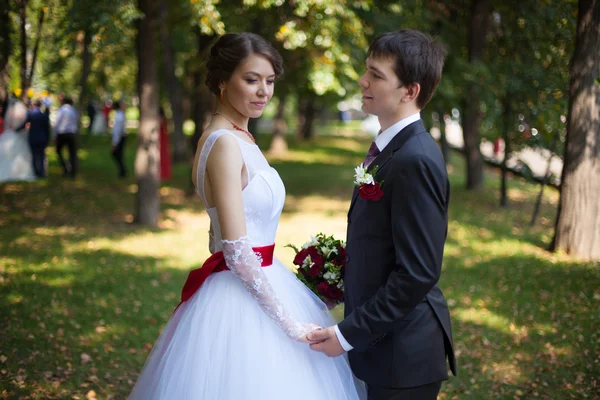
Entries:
{"x":417,"y":59}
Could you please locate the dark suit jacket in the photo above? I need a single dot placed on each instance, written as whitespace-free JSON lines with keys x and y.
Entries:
{"x":396,"y":317}
{"x":39,"y":128}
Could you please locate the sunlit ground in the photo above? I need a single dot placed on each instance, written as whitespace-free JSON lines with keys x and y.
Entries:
{"x":84,"y":292}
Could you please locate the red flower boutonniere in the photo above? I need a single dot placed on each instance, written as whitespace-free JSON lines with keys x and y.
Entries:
{"x":368,"y":188}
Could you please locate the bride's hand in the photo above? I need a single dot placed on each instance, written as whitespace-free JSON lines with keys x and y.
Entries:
{"x":309,"y":328}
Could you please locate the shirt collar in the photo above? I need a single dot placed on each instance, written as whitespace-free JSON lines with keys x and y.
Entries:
{"x":385,"y":137}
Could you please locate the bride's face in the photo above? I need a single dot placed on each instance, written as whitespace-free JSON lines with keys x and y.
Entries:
{"x":251,"y":86}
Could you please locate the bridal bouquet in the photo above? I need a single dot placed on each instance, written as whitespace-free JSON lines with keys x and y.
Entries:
{"x":321,"y":262}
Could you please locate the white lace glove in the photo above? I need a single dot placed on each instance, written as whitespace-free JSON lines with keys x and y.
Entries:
{"x":245,"y":264}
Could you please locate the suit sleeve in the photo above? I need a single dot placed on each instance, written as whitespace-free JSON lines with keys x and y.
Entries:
{"x":418,"y":190}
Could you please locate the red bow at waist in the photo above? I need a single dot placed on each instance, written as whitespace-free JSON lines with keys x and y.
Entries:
{"x":216,"y":263}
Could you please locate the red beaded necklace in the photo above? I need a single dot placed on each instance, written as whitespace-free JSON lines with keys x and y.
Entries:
{"x":236,"y":127}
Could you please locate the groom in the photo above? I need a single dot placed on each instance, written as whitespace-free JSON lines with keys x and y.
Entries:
{"x":397,"y":326}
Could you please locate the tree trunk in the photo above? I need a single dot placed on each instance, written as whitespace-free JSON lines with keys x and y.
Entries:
{"x":147,"y":204}
{"x":538,"y":201}
{"x":506,"y":129}
{"x":443,"y":139}
{"x":201,"y":98}
{"x":578,"y":221}
{"x":23,"y":34}
{"x":278,"y":144}
{"x":86,"y":63}
{"x":5,"y":50}
{"x":308,"y":118}
{"x":36,"y":46}
{"x":472,"y":117}
{"x":174,"y":90}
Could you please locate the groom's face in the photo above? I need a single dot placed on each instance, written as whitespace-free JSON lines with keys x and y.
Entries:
{"x":381,"y":88}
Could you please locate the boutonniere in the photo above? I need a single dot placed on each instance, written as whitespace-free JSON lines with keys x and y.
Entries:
{"x":368,"y":189}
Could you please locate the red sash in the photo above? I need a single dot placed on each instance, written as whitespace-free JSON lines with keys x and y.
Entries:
{"x":216,"y":263}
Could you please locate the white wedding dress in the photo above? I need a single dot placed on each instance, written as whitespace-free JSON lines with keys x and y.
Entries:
{"x":15,"y":157}
{"x":231,"y":339}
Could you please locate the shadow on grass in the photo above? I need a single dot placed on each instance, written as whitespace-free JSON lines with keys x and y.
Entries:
{"x":519,"y":319}
{"x":86,"y":321}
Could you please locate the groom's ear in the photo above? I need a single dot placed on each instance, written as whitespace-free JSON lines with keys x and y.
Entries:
{"x":412,"y":92}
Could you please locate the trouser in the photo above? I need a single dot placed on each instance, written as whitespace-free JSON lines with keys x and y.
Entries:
{"x":424,"y":392}
{"x":69,"y":140}
{"x":38,"y":155}
{"x":118,"y":154}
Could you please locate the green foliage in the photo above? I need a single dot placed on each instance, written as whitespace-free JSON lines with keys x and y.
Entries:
{"x":318,"y":40}
{"x":528,"y":59}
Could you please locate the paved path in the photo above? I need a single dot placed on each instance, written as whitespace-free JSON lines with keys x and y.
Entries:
{"x":535,"y":159}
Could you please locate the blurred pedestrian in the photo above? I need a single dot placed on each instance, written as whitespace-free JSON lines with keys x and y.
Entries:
{"x":108,"y":105}
{"x":38,"y":137}
{"x":165,"y":149}
{"x":91,"y":112}
{"x":65,"y":131}
{"x":15,"y":155}
{"x":119,"y":137}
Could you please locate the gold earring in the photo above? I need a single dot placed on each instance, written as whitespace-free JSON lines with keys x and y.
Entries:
{"x":221,"y":95}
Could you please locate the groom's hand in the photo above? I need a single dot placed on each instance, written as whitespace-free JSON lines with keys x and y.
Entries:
{"x":326,"y":341}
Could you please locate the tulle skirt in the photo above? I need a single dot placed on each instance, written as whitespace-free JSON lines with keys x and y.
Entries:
{"x":220,"y":345}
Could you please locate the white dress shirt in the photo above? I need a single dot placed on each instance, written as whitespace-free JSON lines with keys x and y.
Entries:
{"x":382,"y":140}
{"x":118,"y":128}
{"x":66,"y":120}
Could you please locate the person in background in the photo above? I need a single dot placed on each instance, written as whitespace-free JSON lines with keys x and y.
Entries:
{"x":15,"y":156}
{"x":39,"y":136}
{"x":118,"y":137}
{"x":65,"y":129}
{"x":91,"y":112}
{"x":108,"y":105}
{"x":165,"y":149}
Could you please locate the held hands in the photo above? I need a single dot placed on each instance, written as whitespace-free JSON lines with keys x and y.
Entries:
{"x":326,"y":342}
{"x":308,"y":328}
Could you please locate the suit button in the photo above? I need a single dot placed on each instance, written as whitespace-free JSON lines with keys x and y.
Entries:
{"x":347,"y":259}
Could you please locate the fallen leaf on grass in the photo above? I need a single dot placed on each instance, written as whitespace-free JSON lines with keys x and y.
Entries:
{"x":85,"y":358}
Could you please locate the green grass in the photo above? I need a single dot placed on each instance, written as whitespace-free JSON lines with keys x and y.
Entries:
{"x":84,"y":292}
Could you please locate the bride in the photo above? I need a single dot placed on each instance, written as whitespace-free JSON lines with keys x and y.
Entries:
{"x":15,"y":155}
{"x":240,"y":329}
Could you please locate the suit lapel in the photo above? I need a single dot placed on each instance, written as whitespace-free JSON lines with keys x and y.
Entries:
{"x":386,"y":155}
{"x":354,"y":197}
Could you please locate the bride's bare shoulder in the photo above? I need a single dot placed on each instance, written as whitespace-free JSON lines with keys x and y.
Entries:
{"x":209,"y":130}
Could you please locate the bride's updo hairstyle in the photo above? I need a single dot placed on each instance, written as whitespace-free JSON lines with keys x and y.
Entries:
{"x":230,"y":50}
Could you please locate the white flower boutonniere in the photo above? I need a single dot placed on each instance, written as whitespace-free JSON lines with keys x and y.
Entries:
{"x":368,"y":188}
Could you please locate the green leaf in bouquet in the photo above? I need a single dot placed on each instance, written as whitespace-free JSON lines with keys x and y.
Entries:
{"x":291,"y":246}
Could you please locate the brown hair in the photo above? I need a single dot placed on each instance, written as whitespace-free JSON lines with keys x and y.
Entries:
{"x":417,"y":59}
{"x":230,"y":50}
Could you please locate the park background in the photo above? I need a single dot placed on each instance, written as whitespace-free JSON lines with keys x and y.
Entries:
{"x":91,"y":268}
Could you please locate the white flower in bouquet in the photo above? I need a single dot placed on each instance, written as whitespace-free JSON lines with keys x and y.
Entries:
{"x":307,"y":262}
{"x":330,"y":276}
{"x":312,"y":242}
{"x":327,"y":250}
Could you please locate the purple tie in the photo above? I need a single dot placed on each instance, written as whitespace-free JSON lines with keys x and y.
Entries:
{"x":371,"y":154}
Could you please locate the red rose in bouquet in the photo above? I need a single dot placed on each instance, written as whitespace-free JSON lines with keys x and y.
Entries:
{"x":321,"y":262}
